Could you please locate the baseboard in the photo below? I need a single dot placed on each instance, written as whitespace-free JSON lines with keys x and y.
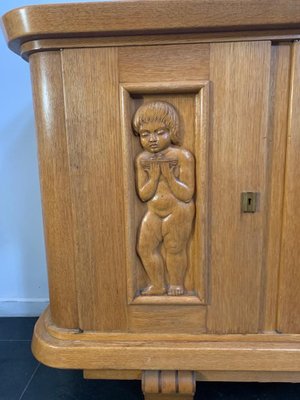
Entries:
{"x":22,"y":307}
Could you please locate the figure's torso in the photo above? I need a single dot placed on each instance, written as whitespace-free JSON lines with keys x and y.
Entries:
{"x":164,"y":202}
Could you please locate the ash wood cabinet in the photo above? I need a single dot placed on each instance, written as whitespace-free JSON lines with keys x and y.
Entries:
{"x":168,"y":148}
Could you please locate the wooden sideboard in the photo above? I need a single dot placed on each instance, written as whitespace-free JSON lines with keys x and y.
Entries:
{"x":169,"y":148}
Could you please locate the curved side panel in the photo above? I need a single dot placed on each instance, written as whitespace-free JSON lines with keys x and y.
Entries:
{"x":54,"y":176}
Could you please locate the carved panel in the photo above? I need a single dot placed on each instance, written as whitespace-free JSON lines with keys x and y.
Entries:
{"x":165,"y":180}
{"x":166,"y":195}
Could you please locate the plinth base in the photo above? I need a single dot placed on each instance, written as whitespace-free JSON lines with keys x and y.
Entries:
{"x":265,"y":357}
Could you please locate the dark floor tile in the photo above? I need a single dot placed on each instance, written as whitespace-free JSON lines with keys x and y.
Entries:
{"x":16,"y":368}
{"x":54,"y":384}
{"x":247,"y":391}
{"x":16,"y":328}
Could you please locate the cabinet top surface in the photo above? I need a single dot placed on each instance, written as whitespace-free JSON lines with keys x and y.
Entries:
{"x":133,"y":17}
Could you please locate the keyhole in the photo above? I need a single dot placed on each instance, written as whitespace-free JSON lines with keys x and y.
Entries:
{"x":249,"y":202}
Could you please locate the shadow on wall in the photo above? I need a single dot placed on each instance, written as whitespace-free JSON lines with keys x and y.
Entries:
{"x":23,"y":279}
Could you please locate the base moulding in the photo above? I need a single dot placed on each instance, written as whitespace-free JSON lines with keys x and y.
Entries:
{"x":257,"y":357}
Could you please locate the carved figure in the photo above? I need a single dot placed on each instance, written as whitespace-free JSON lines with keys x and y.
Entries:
{"x":165,"y":179}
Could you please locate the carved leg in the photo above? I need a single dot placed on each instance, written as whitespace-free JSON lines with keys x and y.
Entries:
{"x":168,"y":385}
{"x":147,"y":248}
{"x":176,"y":230}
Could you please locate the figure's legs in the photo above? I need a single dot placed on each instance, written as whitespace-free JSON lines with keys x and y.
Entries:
{"x":176,"y":232}
{"x":149,"y":240}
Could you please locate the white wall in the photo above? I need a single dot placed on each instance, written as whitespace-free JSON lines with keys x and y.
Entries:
{"x":23,"y":277}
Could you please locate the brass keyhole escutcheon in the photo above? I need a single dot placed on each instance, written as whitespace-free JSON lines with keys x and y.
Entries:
{"x":249,"y":202}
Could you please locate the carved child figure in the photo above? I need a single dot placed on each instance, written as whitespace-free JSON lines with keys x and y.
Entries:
{"x":165,"y":179}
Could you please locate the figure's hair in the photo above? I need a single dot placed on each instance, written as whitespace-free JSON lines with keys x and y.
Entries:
{"x":160,"y":111}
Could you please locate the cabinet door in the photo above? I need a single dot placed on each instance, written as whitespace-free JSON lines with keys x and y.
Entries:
{"x":240,"y":74}
{"x":224,"y":95}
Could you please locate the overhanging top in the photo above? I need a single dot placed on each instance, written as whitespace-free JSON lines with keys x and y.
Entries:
{"x":132,"y":17}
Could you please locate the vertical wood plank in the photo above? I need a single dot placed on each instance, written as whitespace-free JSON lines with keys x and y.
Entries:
{"x":279,"y":100}
{"x":95,"y":154}
{"x":55,"y":186}
{"x":240,"y":79}
{"x":289,"y":293}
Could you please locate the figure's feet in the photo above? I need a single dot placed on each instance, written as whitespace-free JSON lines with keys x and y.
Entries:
{"x":152,"y":290}
{"x":175,"y":290}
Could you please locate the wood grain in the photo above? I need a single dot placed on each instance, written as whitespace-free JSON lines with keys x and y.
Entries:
{"x":203,"y":376}
{"x":95,"y":165}
{"x":168,"y":385}
{"x":289,"y":294}
{"x":240,"y":79}
{"x":164,"y":318}
{"x":33,"y":46}
{"x":191,"y":99}
{"x":67,"y":334}
{"x":134,"y":17}
{"x":278,"y":119}
{"x":242,"y":125}
{"x":55,"y":185}
{"x":235,"y":355}
{"x":144,"y":64}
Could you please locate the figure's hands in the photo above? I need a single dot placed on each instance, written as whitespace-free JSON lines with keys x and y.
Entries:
{"x":145,"y":165}
{"x":167,"y":170}
{"x":154,"y":171}
{"x":147,"y":175}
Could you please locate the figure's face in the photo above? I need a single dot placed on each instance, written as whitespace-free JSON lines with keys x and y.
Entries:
{"x":154,"y":137}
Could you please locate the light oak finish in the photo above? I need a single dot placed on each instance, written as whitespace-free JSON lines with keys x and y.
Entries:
{"x":28,"y":48}
{"x":187,"y":96}
{"x":181,"y":62}
{"x":65,"y":334}
{"x":165,"y":181}
{"x":289,"y":305}
{"x":203,"y":376}
{"x":149,"y":352}
{"x":95,"y":19}
{"x":93,"y":143}
{"x":168,"y":385}
{"x":279,"y":105}
{"x":46,"y":72}
{"x":240,"y":73}
{"x":165,"y":317}
{"x":230,"y":73}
